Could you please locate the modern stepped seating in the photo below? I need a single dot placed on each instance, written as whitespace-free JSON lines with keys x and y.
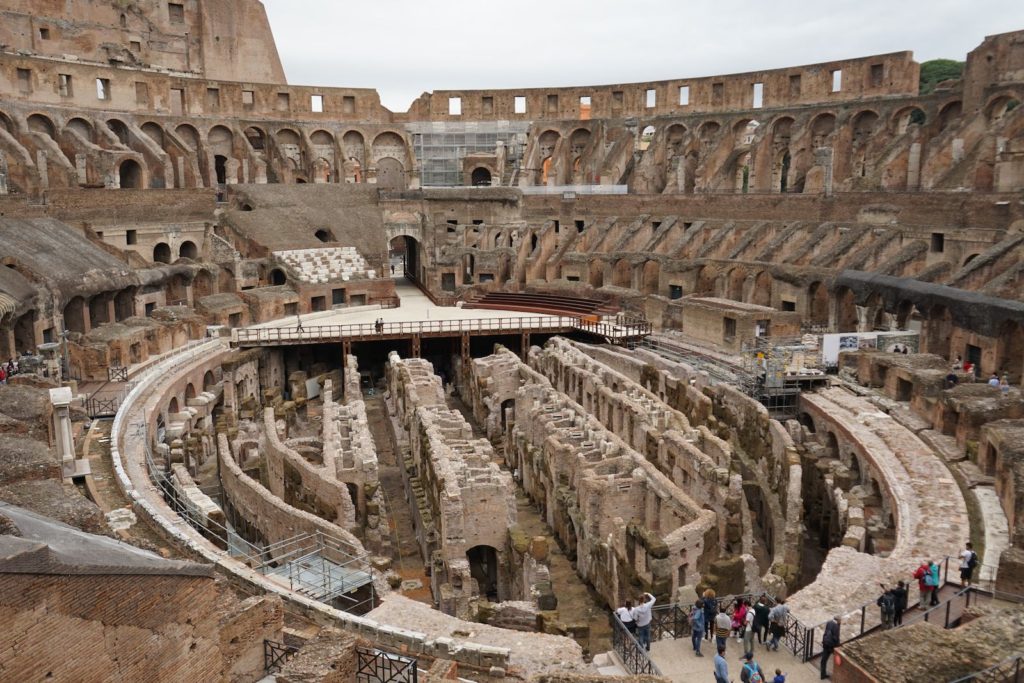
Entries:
{"x":548,"y":304}
{"x":327,"y":264}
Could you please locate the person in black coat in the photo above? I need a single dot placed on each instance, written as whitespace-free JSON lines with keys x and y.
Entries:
{"x":829,"y":642}
{"x":900,"y":594}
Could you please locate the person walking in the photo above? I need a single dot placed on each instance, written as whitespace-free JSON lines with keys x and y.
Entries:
{"x":829,"y":642}
{"x":921,"y":574}
{"x":777,"y":623}
{"x":761,"y":612}
{"x":899,"y":594}
{"x":933,"y":581}
{"x":710,"y":612}
{"x":723,"y":624}
{"x":751,"y":671}
{"x":642,"y":617}
{"x":1004,"y":386}
{"x":968,"y":561}
{"x":721,"y":666}
{"x":625,"y":615}
{"x":739,"y":615}
{"x":298,"y":323}
{"x":697,"y":626}
{"x":748,"y":633}
{"x":887,"y":606}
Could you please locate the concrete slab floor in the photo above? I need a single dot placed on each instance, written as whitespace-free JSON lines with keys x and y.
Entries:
{"x":676,"y":660}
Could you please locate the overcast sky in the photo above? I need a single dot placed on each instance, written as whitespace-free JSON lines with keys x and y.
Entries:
{"x":405,"y":47}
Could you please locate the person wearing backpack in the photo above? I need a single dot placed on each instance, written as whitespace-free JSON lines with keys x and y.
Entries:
{"x":933,"y":582}
{"x":968,"y":561}
{"x":751,"y":672}
{"x":887,"y":603}
{"x":899,"y":594}
{"x":921,"y":574}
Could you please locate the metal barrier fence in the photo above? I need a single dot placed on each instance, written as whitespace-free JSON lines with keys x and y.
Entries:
{"x":633,"y":655}
{"x":275,"y":654}
{"x":1010,"y":670}
{"x":378,"y":666}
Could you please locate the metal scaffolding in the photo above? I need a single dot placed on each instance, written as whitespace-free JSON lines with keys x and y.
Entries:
{"x":441,"y":146}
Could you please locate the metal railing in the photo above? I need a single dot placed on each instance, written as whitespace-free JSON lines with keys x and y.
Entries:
{"x":378,"y":666}
{"x":1010,"y":670}
{"x":633,"y":655}
{"x":275,"y":654}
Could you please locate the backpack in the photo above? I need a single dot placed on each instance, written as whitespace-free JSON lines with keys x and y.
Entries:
{"x":887,"y":603}
{"x":755,"y":673}
{"x":973,"y":561}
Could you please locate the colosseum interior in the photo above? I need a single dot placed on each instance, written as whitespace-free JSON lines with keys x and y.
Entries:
{"x":312,"y":390}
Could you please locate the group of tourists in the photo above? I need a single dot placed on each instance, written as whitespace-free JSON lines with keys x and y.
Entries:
{"x":995,"y":381}
{"x":8,"y":370}
{"x":637,"y":618}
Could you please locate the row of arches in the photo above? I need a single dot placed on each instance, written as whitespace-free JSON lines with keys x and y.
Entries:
{"x":187,"y":249}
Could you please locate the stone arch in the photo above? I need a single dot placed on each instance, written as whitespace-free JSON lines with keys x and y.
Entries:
{"x":278,"y":277}
{"x":999,"y":106}
{"x":172,"y":406}
{"x":162,"y":253}
{"x":154,"y":131}
{"x":970,"y":258}
{"x":938,"y":330}
{"x":904,"y":313}
{"x":949,"y":113}
{"x":38,"y":123}
{"x":220,"y":137}
{"x":202,"y":284}
{"x":817,"y":309}
{"x":390,"y":174}
{"x":389,"y":144}
{"x":708,"y":130}
{"x":130,"y":175}
{"x":906,"y":117}
{"x":578,"y":141}
{"x":652,"y":277}
{"x":6,"y":123}
{"x":354,"y":145}
{"x":322,"y":137}
{"x":846,"y":310}
{"x":596,"y":275}
{"x":120,"y":129}
{"x":646,"y":137}
{"x":209,"y":381}
{"x":189,"y":250}
{"x":82,"y":127}
{"x":480,"y":177}
{"x":743,"y":131}
{"x":876,"y":311}
{"x":483,"y":567}
{"x":622,"y":273}
{"x":762,"y":292}
{"x":74,"y":315}
{"x":863,"y":124}
{"x":707,"y":276}
{"x":189,"y":135}
{"x":407,"y":248}
{"x":124,"y":304}
{"x":324,"y":235}
{"x":1010,"y":350}
{"x":676,"y":137}
{"x":822,"y":127}
{"x":190,"y":392}
{"x":257,"y":138}
{"x":734,"y":283}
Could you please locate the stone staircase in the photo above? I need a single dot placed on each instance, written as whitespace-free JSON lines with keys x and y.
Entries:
{"x":326,"y":265}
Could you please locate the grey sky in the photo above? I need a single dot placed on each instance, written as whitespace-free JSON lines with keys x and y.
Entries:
{"x":405,"y":47}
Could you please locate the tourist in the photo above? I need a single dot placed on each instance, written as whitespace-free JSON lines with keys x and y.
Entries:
{"x":779,"y":677}
{"x":1004,"y":385}
{"x":697,"y":626}
{"x":921,"y":574}
{"x":761,"y":612}
{"x":751,"y":672}
{"x":710,"y":612}
{"x":739,"y":615}
{"x":625,"y":615}
{"x":887,"y":605}
{"x":379,"y":325}
{"x":993,"y":381}
{"x":642,"y":617}
{"x":933,"y":581}
{"x":969,"y":367}
{"x":951,"y":380}
{"x":899,"y":594}
{"x":829,"y":642}
{"x":777,"y":623}
{"x":298,"y":323}
{"x":968,"y":561}
{"x":722,"y":626}
{"x":3,"y":375}
{"x":721,"y":667}
{"x":958,"y":364}
{"x":748,"y":633}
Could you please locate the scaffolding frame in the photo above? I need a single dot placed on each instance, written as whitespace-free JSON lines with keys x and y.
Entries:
{"x":441,"y":146}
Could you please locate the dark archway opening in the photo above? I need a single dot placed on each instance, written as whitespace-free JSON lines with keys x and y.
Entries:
{"x":130,"y":174}
{"x":483,"y":566}
{"x":277,"y":277}
{"x":404,"y":257}
{"x":188,"y":250}
{"x":162,"y":253}
{"x":481,"y":177}
{"x":220,"y":168}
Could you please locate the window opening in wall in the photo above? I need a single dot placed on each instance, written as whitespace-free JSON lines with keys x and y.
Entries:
{"x":717,"y":93}
{"x":141,"y":93}
{"x":348,"y":104}
{"x":788,"y":305}
{"x":213,"y":99}
{"x":338,"y":297}
{"x":44,"y":34}
{"x":455,"y":106}
{"x":284,"y":101}
{"x":149,"y":308}
{"x":131,"y":237}
{"x":794,"y":85}
{"x":580,"y":226}
{"x":64,"y":85}
{"x":837,"y":80}
{"x":758,"y":99}
{"x":558,"y":227}
{"x":24,"y":81}
{"x":584,"y":107}
{"x":552,"y":103}
{"x":318,"y":303}
{"x":651,"y":98}
{"x":572,"y":278}
{"x":617,"y":98}
{"x":684,"y":95}
{"x":519,"y":104}
{"x":675,"y":291}
{"x":487,"y":105}
{"x":877,"y":75}
{"x":135,"y":46}
{"x":177,"y":101}
{"x":316,"y":103}
{"x":234,"y":319}
{"x":478,"y":221}
{"x":176,"y":12}
{"x":248,"y":98}
{"x":103,"y":88}
{"x":291,"y":309}
{"x":448,"y":282}
{"x":938,"y":242}
{"x":728,"y":329}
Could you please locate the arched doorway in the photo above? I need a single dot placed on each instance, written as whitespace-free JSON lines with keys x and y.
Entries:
{"x":130,"y":175}
{"x":208,"y":381}
{"x":846,"y":310}
{"x":220,"y":167}
{"x":188,"y":250}
{"x":818,"y":304}
{"x":277,"y":277}
{"x":483,"y":566}
{"x":403,"y":254}
{"x":74,"y":318}
{"x":762,"y":294}
{"x":622,"y":273}
{"x":162,"y":253}
{"x":652,"y":277}
{"x":596,"y":277}
{"x":939,"y":328}
{"x":481,"y":177}
{"x":390,"y":174}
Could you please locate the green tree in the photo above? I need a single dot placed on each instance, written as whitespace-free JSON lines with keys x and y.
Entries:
{"x":935,"y":71}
